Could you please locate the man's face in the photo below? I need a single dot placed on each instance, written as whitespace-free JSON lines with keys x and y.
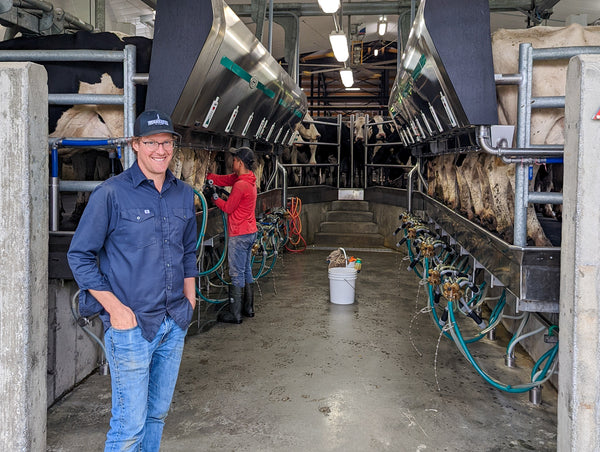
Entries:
{"x":154,"y":153}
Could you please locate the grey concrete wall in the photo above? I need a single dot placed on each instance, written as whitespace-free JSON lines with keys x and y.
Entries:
{"x":24,"y":254}
{"x":579,"y":389}
{"x":72,"y":354}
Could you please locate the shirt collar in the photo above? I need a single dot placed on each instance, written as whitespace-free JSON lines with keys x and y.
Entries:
{"x":137,"y":177}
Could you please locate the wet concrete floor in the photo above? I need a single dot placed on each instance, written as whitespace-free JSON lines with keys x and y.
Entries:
{"x":308,"y":375}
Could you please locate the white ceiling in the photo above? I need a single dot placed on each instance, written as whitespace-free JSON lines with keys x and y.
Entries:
{"x":314,"y":31}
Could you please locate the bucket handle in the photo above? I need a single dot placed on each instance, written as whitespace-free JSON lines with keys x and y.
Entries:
{"x":345,"y":257}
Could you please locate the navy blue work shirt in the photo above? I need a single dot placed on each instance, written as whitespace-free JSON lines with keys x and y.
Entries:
{"x":145,"y":244}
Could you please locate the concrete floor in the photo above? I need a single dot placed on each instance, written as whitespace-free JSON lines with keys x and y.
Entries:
{"x":308,"y":375}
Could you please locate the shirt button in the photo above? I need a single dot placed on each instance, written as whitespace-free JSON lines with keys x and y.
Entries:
{"x":168,"y":265}
{"x":165,"y":218}
{"x":168,"y":287}
{"x":166,"y":241}
{"x":138,"y":217}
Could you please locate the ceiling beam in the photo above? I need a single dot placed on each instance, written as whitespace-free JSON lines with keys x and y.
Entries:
{"x":373,"y":8}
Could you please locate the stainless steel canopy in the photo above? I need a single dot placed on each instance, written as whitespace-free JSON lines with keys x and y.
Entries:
{"x":446,"y":80}
{"x":212,"y":75}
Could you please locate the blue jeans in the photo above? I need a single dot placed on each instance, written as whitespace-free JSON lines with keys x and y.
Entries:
{"x":239,"y":256}
{"x":143,"y":376}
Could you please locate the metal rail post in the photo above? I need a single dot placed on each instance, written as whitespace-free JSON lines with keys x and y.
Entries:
{"x":523,"y":141}
{"x":129,"y":103}
{"x":339,"y":148}
{"x":365,"y":135}
{"x":351,"y":175}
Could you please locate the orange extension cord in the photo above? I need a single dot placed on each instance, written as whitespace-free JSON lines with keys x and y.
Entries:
{"x":294,"y":226}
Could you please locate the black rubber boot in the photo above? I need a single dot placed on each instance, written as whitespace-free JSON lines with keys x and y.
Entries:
{"x":234,"y":314}
{"x":248,"y":309}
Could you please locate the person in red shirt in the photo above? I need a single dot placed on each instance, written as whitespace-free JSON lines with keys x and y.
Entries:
{"x":241,"y":228}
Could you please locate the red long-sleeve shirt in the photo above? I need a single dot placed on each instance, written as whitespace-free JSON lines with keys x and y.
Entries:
{"x":241,"y":205}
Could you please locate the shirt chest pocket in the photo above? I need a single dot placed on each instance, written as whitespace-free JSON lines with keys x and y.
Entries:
{"x":137,"y":228}
{"x":181,"y":217}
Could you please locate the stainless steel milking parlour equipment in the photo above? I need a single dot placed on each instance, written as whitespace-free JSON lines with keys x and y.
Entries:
{"x":221,"y":86}
{"x":444,"y":101}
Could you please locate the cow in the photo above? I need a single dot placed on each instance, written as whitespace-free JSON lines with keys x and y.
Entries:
{"x":93,"y":121}
{"x":303,"y":153}
{"x":549,"y":79}
{"x":388,"y":150}
{"x":481,"y":186}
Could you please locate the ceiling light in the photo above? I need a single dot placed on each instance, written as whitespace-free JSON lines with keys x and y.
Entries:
{"x":329,"y":6}
{"x":339,"y":45}
{"x":353,"y":89}
{"x":376,"y":52}
{"x":347,"y":77}
{"x":381,"y":25}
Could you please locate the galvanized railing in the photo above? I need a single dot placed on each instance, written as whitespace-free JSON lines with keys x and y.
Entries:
{"x":127,"y":57}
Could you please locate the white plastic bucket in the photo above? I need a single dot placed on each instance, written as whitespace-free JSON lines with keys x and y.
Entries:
{"x":342,"y":281}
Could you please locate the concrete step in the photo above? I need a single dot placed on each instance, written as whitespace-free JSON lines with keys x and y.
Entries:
{"x":348,"y":240}
{"x":350,"y":205}
{"x":362,"y":227}
{"x":348,"y":216}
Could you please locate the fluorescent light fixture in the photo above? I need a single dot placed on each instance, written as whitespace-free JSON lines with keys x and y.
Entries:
{"x":376,"y":52}
{"x":339,"y":45}
{"x":329,"y":6}
{"x":353,"y":89}
{"x":347,"y":77}
{"x":381,"y":25}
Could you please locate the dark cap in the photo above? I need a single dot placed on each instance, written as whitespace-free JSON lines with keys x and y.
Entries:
{"x":152,"y":122}
{"x":245,"y":155}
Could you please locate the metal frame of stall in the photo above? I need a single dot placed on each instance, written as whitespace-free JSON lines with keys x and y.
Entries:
{"x":338,"y":125}
{"x":127,"y":99}
{"x":383,"y":144}
{"x":526,"y":154}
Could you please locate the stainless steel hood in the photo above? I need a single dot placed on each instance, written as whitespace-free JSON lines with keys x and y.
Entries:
{"x":213,"y":76}
{"x":446,"y":80}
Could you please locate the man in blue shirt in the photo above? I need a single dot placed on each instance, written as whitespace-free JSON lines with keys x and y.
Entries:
{"x":133,"y":257}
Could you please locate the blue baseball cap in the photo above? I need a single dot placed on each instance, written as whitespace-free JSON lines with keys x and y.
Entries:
{"x":152,"y":122}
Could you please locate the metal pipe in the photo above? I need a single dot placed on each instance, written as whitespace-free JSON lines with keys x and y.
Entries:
{"x":41,"y":5}
{"x":339,"y":147}
{"x":54,"y":204}
{"x":483,"y":135}
{"x":422,"y":180}
{"x":283,"y":185}
{"x":409,"y":191}
{"x":271,"y":27}
{"x":306,"y":165}
{"x":374,"y":8}
{"x":563,"y":53}
{"x":107,"y":56}
{"x":84,"y":99}
{"x":78,"y":185}
{"x":388,"y":165}
{"x":100,"y":14}
{"x":77,"y":22}
{"x":351,"y":151}
{"x":545,"y":197}
{"x":365,"y":144}
{"x":523,"y":141}
{"x":507,"y":79}
{"x":140,"y":78}
{"x":548,"y":102}
{"x":129,"y":69}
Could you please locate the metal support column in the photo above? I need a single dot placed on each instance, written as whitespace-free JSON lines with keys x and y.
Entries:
{"x":523,"y":141}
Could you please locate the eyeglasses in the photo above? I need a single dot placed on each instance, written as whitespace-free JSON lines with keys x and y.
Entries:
{"x":154,"y":145}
